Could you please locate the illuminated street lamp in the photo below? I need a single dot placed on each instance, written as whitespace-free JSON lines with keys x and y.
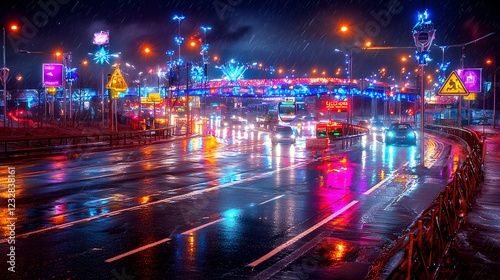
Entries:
{"x":4,"y":73}
{"x":494,"y":63}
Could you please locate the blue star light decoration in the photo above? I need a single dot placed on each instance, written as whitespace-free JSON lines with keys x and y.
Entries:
{"x":178,"y":40}
{"x":102,"y":55}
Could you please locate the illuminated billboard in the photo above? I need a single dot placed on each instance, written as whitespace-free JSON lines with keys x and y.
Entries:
{"x":471,"y":78}
{"x":337,"y":105}
{"x":53,"y":75}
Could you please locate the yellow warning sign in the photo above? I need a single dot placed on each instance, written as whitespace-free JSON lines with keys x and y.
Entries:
{"x":453,"y":86}
{"x":471,"y":96}
{"x":117,"y":82}
{"x":114,"y":94}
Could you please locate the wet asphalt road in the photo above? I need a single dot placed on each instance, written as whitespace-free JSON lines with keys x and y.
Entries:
{"x":231,"y":206}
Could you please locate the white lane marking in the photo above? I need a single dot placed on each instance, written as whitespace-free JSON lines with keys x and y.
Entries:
{"x":298,"y":237}
{"x":168,"y":199}
{"x":137,"y":250}
{"x":202,"y":226}
{"x":274,"y":198}
{"x":393,"y":174}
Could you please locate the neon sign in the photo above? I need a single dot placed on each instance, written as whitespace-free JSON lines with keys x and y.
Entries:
{"x":337,"y":105}
{"x":101,"y":38}
{"x":471,"y":77}
{"x":53,"y":75}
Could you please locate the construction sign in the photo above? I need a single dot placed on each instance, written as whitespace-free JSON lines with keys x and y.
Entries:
{"x":453,"y":86}
{"x":117,"y":82}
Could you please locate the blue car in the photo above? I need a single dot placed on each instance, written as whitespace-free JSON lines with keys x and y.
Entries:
{"x":400,"y":133}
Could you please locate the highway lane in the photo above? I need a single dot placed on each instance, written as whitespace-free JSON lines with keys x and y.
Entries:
{"x":227,"y":206}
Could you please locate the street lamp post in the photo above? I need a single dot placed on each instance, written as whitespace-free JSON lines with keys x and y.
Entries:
{"x":179,"y":39}
{"x":494,"y":90}
{"x":4,"y":81}
{"x":204,"y":52}
{"x":170,"y":53}
{"x":4,"y":78}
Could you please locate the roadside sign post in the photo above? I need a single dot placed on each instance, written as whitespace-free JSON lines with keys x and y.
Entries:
{"x":116,"y":84}
{"x":423,"y":35}
{"x":454,"y":86}
{"x":52,"y":79}
{"x":155,"y":98}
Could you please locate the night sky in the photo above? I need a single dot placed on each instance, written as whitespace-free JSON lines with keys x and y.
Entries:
{"x":285,"y":34}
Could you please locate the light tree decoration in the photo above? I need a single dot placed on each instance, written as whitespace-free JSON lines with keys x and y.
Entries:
{"x":178,"y":39}
{"x":102,"y":56}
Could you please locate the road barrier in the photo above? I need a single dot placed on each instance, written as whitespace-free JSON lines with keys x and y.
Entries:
{"x":40,"y":145}
{"x":323,"y":145}
{"x":423,"y":247}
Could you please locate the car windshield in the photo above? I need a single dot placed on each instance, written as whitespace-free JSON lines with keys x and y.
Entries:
{"x":284,"y":130}
{"x":311,"y":119}
{"x":378,"y":124}
{"x":362,"y":122}
{"x":400,"y":127}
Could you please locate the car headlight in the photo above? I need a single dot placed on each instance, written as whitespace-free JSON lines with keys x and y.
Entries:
{"x":278,"y":136}
{"x":293,"y":136}
{"x":390,"y":134}
{"x":412,"y":134}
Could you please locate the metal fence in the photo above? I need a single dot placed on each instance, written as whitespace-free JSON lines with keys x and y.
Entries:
{"x":421,"y":250}
{"x":46,"y":145}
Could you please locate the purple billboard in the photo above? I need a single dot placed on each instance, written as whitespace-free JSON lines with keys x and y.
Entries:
{"x":471,"y":78}
{"x":53,"y":75}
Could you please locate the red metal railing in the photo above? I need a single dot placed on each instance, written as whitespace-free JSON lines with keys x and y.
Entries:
{"x":426,"y":242}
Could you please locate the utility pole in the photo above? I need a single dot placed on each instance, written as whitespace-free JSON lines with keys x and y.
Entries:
{"x":188,"y":130}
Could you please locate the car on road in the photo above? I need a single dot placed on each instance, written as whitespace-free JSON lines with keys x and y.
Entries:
{"x":234,"y":124}
{"x":283,"y":134}
{"x":400,"y":133}
{"x":364,"y":123}
{"x":377,"y":126}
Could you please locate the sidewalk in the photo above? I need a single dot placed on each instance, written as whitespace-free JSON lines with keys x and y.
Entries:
{"x":476,"y":253}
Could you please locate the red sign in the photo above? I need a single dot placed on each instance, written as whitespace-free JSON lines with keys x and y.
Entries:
{"x":337,"y":105}
{"x":334,"y":124}
{"x":3,"y":75}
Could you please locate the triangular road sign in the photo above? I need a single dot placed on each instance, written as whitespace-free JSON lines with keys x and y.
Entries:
{"x":453,"y":86}
{"x":117,"y":82}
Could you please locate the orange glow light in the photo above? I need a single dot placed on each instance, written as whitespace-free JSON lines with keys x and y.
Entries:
{"x":14,"y":27}
{"x":147,"y":50}
{"x":344,"y":28}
